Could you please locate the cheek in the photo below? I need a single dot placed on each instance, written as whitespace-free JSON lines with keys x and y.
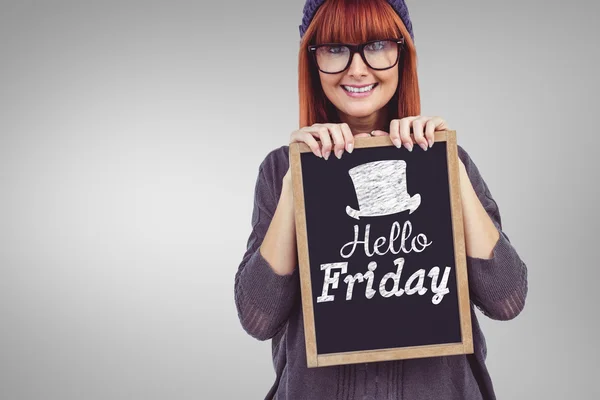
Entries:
{"x":391,"y":84}
{"x":392,"y":78}
{"x":328,"y":84}
{"x":330,"y":87}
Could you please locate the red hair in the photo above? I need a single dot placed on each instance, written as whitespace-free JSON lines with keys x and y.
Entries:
{"x":355,"y":21}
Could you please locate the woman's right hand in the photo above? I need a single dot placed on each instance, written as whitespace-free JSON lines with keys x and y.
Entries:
{"x":336,"y":137}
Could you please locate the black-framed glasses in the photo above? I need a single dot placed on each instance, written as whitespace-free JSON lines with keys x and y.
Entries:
{"x":380,"y":54}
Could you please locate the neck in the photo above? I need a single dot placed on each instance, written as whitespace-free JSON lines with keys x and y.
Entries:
{"x":375,"y":121}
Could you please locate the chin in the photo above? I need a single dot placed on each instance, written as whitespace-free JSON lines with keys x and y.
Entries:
{"x":359,"y":112}
{"x":362,"y":114}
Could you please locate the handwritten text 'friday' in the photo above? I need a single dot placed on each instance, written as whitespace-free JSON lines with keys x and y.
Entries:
{"x":418,"y":244}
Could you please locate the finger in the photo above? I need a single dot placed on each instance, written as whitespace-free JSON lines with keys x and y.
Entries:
{"x":348,"y":137}
{"x":308,"y":138}
{"x":338,"y":139}
{"x":440,"y":124}
{"x":405,"y":133}
{"x":314,"y":132}
{"x":323,"y":133}
{"x":418,"y":127}
{"x":362,"y":134}
{"x":429,"y":132}
{"x":395,"y":132}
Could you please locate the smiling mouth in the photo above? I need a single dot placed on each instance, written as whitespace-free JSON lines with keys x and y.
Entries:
{"x":363,"y":89}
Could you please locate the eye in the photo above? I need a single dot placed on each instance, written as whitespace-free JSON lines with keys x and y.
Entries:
{"x":375,"y":46}
{"x":334,"y":49}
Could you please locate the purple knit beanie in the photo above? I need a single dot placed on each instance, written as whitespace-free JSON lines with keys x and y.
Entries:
{"x":311,"y":6}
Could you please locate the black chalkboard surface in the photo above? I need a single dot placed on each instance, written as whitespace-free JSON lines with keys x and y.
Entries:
{"x":381,"y":251}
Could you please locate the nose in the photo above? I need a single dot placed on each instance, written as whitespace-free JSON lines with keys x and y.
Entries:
{"x":358,"y":66}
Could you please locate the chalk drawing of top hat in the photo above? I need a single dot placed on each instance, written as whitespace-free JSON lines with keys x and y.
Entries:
{"x":381,"y":189}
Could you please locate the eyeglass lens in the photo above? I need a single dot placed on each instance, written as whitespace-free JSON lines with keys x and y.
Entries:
{"x":380,"y":54}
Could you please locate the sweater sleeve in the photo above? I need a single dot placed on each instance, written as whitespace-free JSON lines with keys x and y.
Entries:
{"x":263,"y":298}
{"x":498,"y":285}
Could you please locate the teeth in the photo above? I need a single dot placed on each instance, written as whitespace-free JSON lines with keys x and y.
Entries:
{"x":357,"y":90}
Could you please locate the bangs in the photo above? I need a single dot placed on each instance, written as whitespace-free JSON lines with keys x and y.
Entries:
{"x":355,"y":21}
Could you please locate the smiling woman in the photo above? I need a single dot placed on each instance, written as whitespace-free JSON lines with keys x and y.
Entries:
{"x":374,"y":48}
{"x":357,"y":77}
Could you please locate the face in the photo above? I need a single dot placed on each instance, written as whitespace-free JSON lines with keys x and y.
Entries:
{"x":360,"y":105}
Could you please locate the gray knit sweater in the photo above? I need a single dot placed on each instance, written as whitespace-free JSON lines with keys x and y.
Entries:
{"x":269,"y":307}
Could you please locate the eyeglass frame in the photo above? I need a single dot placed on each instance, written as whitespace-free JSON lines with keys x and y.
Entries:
{"x":356,"y":48}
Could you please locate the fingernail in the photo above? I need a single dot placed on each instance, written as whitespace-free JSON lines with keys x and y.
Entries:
{"x":423,"y":146}
{"x":408,"y":146}
{"x":430,"y":142}
{"x":319,"y":153}
{"x":338,"y":154}
{"x":397,"y":142}
{"x":350,"y":147}
{"x":326,"y":156}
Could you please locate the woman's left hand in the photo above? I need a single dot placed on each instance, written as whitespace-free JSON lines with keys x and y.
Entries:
{"x":480,"y":232}
{"x":422,"y":127}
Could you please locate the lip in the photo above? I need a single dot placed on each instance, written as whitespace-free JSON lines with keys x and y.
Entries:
{"x":355,"y":95}
{"x":359,"y":86}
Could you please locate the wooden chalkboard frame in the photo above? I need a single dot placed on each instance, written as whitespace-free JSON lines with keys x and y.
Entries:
{"x":465,"y":346}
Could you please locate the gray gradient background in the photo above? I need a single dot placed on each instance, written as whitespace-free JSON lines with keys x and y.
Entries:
{"x":129,"y":154}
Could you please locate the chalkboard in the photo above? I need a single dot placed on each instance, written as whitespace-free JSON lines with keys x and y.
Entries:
{"x":381,"y":252}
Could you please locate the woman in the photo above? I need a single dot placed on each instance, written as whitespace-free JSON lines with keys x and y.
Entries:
{"x":347,"y":92}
